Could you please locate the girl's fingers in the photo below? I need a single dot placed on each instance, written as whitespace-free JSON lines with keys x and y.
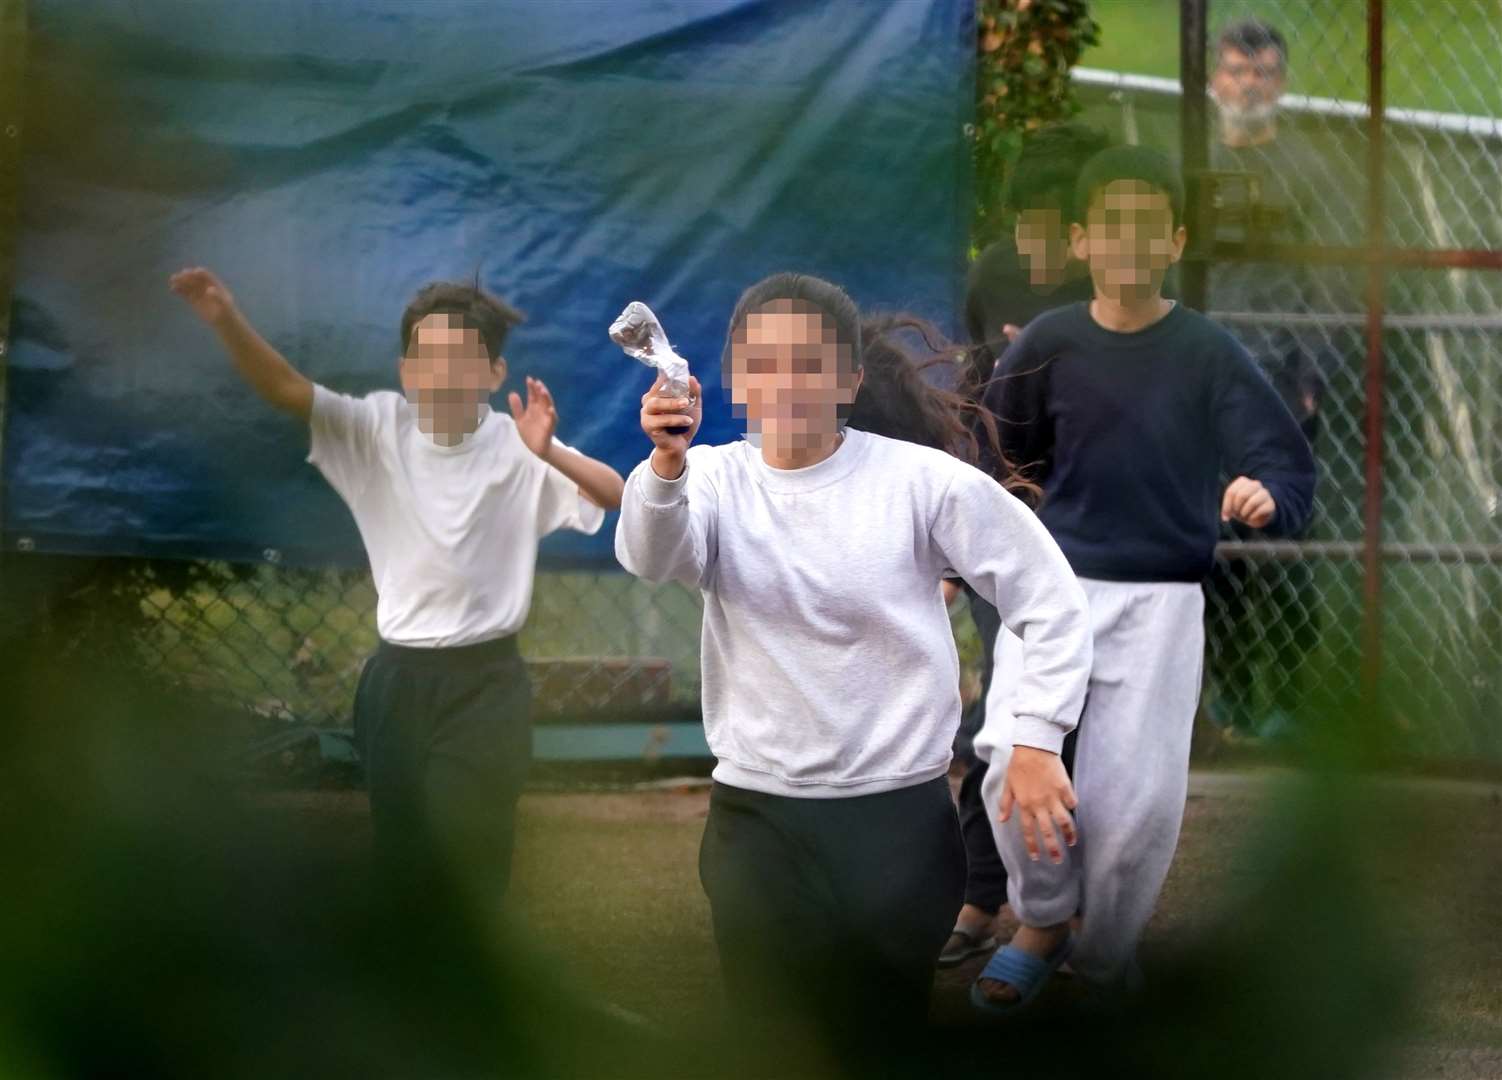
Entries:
{"x":660,"y":421}
{"x":667,"y":407}
{"x":1030,"y":837}
{"x":1065,"y":823}
{"x":1006,"y":805}
{"x":1049,"y":838}
{"x":664,"y":404}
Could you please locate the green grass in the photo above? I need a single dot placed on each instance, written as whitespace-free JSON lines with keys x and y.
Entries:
{"x":1438,"y":56}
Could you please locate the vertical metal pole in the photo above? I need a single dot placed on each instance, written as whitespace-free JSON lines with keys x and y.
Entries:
{"x":1376,"y":282}
{"x":1194,"y":130}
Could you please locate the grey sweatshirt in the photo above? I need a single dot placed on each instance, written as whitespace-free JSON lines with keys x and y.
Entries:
{"x":829,"y":665}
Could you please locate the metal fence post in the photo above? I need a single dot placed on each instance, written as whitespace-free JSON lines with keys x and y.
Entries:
{"x":1376,"y":290}
{"x":1194,"y":131}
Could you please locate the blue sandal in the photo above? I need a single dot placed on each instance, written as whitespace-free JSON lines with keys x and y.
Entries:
{"x":1022,"y":971}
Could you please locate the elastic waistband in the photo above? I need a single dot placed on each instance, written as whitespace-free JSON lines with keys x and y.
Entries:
{"x":766,"y":785}
{"x":1197,"y":576}
{"x":481,"y":652}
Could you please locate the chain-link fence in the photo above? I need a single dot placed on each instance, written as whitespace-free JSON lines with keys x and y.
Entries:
{"x":286,"y":645}
{"x":1285,"y":619}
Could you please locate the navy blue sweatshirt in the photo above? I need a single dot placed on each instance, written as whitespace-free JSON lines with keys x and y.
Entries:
{"x":1132,"y":435}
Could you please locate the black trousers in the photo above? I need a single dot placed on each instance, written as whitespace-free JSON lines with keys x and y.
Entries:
{"x":446,"y":739}
{"x":829,"y":914}
{"x":985,"y":874}
{"x":1264,"y":626}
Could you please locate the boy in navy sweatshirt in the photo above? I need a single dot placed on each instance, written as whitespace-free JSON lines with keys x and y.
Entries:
{"x":1130,"y":411}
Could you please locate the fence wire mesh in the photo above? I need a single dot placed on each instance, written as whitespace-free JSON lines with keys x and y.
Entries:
{"x":1284,"y":622}
{"x":288,"y":644}
{"x":1284,"y":641}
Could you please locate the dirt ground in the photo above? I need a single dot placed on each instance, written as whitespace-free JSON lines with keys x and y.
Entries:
{"x":606,"y":884}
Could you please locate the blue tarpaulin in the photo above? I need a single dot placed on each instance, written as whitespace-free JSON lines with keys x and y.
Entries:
{"x":328,"y":157}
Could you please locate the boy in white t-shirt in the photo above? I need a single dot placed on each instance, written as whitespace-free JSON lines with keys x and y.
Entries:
{"x":451,"y":499}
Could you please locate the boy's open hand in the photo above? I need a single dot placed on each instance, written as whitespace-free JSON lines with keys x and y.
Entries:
{"x":538,"y":420}
{"x":1038,"y":788}
{"x":1248,"y":502}
{"x":659,"y":414}
{"x":204,"y":292}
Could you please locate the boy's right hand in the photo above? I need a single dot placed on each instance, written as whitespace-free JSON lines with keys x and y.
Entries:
{"x":205,"y":293}
{"x":659,"y":414}
{"x":1038,"y":787}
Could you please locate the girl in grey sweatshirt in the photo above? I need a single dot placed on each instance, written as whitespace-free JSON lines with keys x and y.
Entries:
{"x":832,"y":856}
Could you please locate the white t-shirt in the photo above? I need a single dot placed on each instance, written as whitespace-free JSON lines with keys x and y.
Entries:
{"x":451,"y":531}
{"x":829,"y":665}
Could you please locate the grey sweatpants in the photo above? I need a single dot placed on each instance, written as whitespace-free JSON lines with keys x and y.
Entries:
{"x":1131,"y":770}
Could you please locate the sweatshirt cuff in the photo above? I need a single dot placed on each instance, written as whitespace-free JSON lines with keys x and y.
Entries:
{"x":659,"y":492}
{"x":1280,"y":524}
{"x":1038,"y":733}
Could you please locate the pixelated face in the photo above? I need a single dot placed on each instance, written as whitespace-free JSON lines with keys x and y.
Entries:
{"x":447,"y":374}
{"x":1043,"y":244}
{"x":1129,"y":240}
{"x":791,"y":377}
{"x":1248,"y":85}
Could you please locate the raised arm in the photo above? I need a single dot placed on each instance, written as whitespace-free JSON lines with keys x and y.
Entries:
{"x":536,"y":421}
{"x":667,"y":526}
{"x":266,"y":370}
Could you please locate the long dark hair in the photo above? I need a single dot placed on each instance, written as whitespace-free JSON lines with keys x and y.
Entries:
{"x":900,"y":397}
{"x":895,"y":398}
